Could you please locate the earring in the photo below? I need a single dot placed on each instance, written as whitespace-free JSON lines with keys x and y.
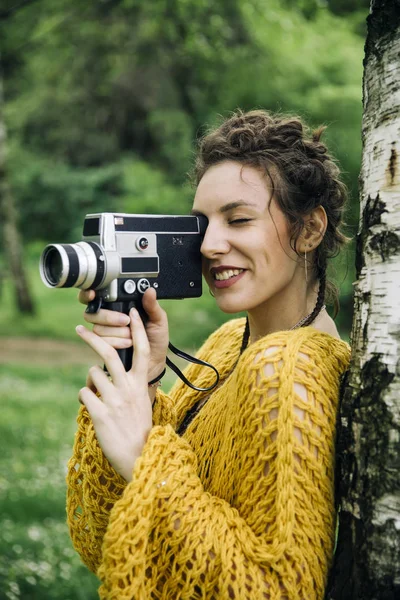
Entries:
{"x":305,"y":264}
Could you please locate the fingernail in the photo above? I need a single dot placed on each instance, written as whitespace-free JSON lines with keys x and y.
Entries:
{"x":123,"y":320}
{"x":79,"y":329}
{"x":134,"y":313}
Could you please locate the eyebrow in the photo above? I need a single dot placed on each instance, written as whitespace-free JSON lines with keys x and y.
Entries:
{"x":228,"y":207}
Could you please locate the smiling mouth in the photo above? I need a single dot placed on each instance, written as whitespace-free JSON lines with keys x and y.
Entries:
{"x":228,"y":274}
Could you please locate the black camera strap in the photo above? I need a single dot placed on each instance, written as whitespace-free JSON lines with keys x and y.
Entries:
{"x":196,"y":361}
{"x":126,"y":354}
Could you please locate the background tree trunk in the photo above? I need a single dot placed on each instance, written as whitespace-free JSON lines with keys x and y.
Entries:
{"x":8,"y":213}
{"x":367,"y":561}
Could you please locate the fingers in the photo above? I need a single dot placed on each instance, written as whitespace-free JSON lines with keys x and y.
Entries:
{"x":92,"y":402}
{"x":141,"y":356}
{"x":152,"y":307}
{"x":118,"y":343}
{"x":109,"y":318}
{"x":107,"y":331}
{"x":108,"y":324}
{"x":108,"y":354}
{"x":85,"y":296}
{"x":117,"y":337}
{"x":97,"y":380}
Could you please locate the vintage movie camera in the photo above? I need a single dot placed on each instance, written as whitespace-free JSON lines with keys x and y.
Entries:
{"x":122,"y":255}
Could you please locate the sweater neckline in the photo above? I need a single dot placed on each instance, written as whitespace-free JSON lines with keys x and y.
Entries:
{"x":305,"y":332}
{"x":292,"y":333}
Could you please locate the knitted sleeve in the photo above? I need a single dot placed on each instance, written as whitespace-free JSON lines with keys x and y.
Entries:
{"x":169,"y":538}
{"x":93,"y":486}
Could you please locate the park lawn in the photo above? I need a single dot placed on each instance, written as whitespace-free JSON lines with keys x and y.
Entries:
{"x":37,"y":426}
{"x":37,"y":561}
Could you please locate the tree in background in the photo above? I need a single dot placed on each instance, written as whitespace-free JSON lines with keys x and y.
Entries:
{"x":368,"y":555}
{"x":9,"y":221}
{"x":105,"y":80}
{"x":12,"y":243}
{"x":105,"y":99}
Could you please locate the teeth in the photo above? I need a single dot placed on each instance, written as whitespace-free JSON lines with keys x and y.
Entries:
{"x":222,"y":275}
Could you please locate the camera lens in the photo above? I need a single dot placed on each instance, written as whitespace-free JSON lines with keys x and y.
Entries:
{"x":72,"y":265}
{"x":54,"y":266}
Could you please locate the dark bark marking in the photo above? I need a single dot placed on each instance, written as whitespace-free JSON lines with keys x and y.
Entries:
{"x":366,"y":298}
{"x":375,"y":377}
{"x":353,"y":575}
{"x":385,"y":540}
{"x":389,"y":115}
{"x":387,"y":243}
{"x":393,"y":163}
{"x":360,"y":261}
{"x":343,"y":585}
{"x":374,"y":478}
{"x":373,"y":210}
{"x":382,"y":23}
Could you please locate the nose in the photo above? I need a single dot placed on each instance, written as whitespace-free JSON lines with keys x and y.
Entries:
{"x":214,"y":242}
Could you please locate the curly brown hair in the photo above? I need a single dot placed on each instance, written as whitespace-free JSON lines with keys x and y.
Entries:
{"x":302,"y":173}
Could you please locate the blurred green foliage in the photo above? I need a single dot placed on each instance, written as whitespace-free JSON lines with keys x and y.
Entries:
{"x":104,"y":102}
{"x":90,"y":88}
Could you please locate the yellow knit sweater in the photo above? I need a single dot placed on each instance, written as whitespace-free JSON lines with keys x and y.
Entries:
{"x":242,"y":505}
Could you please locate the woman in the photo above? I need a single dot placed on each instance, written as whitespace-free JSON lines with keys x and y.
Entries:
{"x":228,"y":494}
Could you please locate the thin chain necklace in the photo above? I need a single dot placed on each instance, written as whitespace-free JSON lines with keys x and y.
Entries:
{"x":246,"y":333}
{"x":304,"y":319}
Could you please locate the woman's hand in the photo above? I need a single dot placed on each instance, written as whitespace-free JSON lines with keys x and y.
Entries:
{"x":113,"y":327}
{"x":122,"y":415}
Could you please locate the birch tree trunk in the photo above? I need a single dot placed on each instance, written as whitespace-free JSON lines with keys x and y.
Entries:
{"x":8,"y":214}
{"x":367,"y":560}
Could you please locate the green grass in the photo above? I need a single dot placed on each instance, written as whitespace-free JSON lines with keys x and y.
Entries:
{"x":37,"y":561}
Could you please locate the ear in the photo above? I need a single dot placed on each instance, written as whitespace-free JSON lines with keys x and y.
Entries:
{"x":315,"y":224}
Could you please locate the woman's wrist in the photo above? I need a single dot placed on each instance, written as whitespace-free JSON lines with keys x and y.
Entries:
{"x":156,"y":374}
{"x":152,"y":395}
{"x":156,"y":382}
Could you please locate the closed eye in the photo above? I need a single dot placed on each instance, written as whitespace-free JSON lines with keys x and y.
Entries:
{"x":239,"y":221}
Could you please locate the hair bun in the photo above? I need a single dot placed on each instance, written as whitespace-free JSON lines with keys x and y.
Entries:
{"x":302,"y":173}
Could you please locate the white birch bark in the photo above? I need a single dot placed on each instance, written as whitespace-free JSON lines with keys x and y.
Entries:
{"x":367,"y":564}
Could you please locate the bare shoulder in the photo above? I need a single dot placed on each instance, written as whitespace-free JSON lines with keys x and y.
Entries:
{"x":326,"y":324}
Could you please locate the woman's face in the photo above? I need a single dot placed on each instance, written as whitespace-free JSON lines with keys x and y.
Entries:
{"x":247,"y":258}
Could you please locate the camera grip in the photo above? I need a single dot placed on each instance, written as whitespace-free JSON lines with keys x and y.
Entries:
{"x":125,"y":354}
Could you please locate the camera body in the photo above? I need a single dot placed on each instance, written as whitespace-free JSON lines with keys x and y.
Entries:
{"x":122,"y":255}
